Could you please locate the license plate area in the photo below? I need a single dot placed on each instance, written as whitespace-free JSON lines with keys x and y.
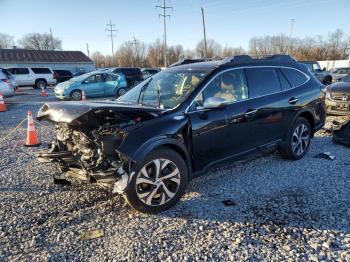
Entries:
{"x":343,"y":107}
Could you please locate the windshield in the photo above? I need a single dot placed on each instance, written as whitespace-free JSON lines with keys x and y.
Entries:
{"x":79,"y":78}
{"x":166,"y":89}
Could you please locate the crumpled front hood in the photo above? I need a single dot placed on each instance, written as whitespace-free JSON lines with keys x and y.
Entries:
{"x":66,"y":112}
{"x":341,"y":87}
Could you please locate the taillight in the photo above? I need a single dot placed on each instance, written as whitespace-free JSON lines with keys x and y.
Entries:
{"x":5,"y":80}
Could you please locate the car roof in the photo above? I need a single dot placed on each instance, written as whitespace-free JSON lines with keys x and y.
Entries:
{"x":242,"y":60}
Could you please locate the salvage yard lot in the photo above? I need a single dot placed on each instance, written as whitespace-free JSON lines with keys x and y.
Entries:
{"x":281,"y":209}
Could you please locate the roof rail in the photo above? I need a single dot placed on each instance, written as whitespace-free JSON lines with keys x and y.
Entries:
{"x":246,"y":58}
{"x":236,"y":58}
{"x":285,"y":58}
{"x":190,"y":61}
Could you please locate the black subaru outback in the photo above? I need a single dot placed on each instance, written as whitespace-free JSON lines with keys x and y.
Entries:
{"x":152,"y":141}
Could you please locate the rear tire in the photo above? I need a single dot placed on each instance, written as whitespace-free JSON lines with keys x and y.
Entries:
{"x":39,"y":83}
{"x":297,"y":141}
{"x":121,"y":91}
{"x":158,"y":183}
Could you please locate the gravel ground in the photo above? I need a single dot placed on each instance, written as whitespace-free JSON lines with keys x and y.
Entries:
{"x":282,"y":210}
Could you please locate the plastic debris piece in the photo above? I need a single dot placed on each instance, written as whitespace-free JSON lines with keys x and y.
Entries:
{"x":84,"y":235}
{"x":62,"y":182}
{"x":325,"y":155}
{"x":229,"y":202}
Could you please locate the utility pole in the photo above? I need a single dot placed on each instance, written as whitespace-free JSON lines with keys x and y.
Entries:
{"x":87,"y":49}
{"x":111,"y":30}
{"x":134,"y":42}
{"x":205,"y":36}
{"x":291,"y":35}
{"x":52,"y":45}
{"x":164,"y":15}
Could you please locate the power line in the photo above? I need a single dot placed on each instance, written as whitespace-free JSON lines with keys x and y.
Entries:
{"x":164,"y":15}
{"x":111,"y":29}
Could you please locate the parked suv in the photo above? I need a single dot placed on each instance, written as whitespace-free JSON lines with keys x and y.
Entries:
{"x":133,"y":75}
{"x":62,"y":75}
{"x":174,"y":126}
{"x":36,"y":77}
{"x":321,"y":74}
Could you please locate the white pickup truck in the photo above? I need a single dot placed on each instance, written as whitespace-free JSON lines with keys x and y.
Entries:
{"x":36,"y":77}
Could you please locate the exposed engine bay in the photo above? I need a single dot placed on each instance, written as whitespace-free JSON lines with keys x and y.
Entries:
{"x":87,"y":147}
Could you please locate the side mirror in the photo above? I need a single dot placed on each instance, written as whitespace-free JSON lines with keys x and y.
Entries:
{"x":214,"y":102}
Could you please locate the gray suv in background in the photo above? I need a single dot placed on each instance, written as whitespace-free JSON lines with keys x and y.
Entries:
{"x":322,"y":75}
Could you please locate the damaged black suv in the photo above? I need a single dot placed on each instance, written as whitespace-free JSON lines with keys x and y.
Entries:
{"x":149,"y":143}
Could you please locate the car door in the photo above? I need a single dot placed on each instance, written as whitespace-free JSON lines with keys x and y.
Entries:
{"x":110,"y":84}
{"x":93,"y":85}
{"x":21,"y":75}
{"x":210,"y":128}
{"x":264,"y":111}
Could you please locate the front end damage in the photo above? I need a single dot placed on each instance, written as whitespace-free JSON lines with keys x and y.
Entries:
{"x":88,"y":136}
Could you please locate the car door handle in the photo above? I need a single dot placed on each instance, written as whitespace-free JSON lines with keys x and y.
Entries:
{"x":293,"y":100}
{"x":251,"y":112}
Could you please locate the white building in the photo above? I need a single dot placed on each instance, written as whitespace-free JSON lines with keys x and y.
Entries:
{"x":57,"y":60}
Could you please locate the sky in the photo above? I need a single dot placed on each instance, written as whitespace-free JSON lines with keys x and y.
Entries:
{"x":231,"y":22}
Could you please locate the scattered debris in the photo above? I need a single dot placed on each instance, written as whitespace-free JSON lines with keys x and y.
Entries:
{"x":229,"y":202}
{"x":84,"y":235}
{"x":341,"y":133}
{"x":62,"y":182}
{"x":325,"y":155}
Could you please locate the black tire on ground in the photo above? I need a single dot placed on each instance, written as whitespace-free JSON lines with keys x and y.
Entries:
{"x":76,"y":95}
{"x":297,"y":141}
{"x":40,"y":83}
{"x":154,"y":196}
{"x":121,"y":91}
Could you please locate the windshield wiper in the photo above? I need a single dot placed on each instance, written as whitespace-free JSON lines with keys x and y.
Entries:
{"x":143,"y":89}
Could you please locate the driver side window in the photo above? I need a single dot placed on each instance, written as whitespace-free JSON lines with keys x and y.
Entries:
{"x":94,"y":79}
{"x":230,"y":86}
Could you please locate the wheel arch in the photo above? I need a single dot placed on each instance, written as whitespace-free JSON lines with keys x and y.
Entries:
{"x":170,"y":143}
{"x":309,"y":116}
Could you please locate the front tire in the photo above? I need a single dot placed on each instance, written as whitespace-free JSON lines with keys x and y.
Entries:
{"x":76,"y":95}
{"x":298,"y":140}
{"x":158,"y":183}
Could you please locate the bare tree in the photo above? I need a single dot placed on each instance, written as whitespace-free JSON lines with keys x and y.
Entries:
{"x":99,"y":59}
{"x":155,"y":54}
{"x":6,"y":41}
{"x":214,"y":49}
{"x":232,"y":51}
{"x":36,"y":41}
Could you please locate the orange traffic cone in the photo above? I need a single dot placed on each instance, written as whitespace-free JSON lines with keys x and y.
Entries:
{"x":2,"y":104}
{"x":83,"y":97}
{"x":32,"y":137}
{"x":43,"y":92}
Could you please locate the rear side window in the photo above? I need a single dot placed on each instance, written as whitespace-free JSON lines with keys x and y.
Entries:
{"x":295,"y":78}
{"x":111,"y":77}
{"x":39,"y":70}
{"x":262,"y":81}
{"x":283,"y":80}
{"x":18,"y":71}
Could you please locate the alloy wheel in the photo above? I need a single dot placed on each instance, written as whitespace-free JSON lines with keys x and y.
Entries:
{"x":76,"y":96}
{"x":300,"y":139}
{"x":157,"y":182}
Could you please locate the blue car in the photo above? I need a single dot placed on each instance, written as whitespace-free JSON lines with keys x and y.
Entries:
{"x":95,"y":84}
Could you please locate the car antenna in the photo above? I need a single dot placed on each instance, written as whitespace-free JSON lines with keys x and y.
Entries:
{"x":158,"y":93}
